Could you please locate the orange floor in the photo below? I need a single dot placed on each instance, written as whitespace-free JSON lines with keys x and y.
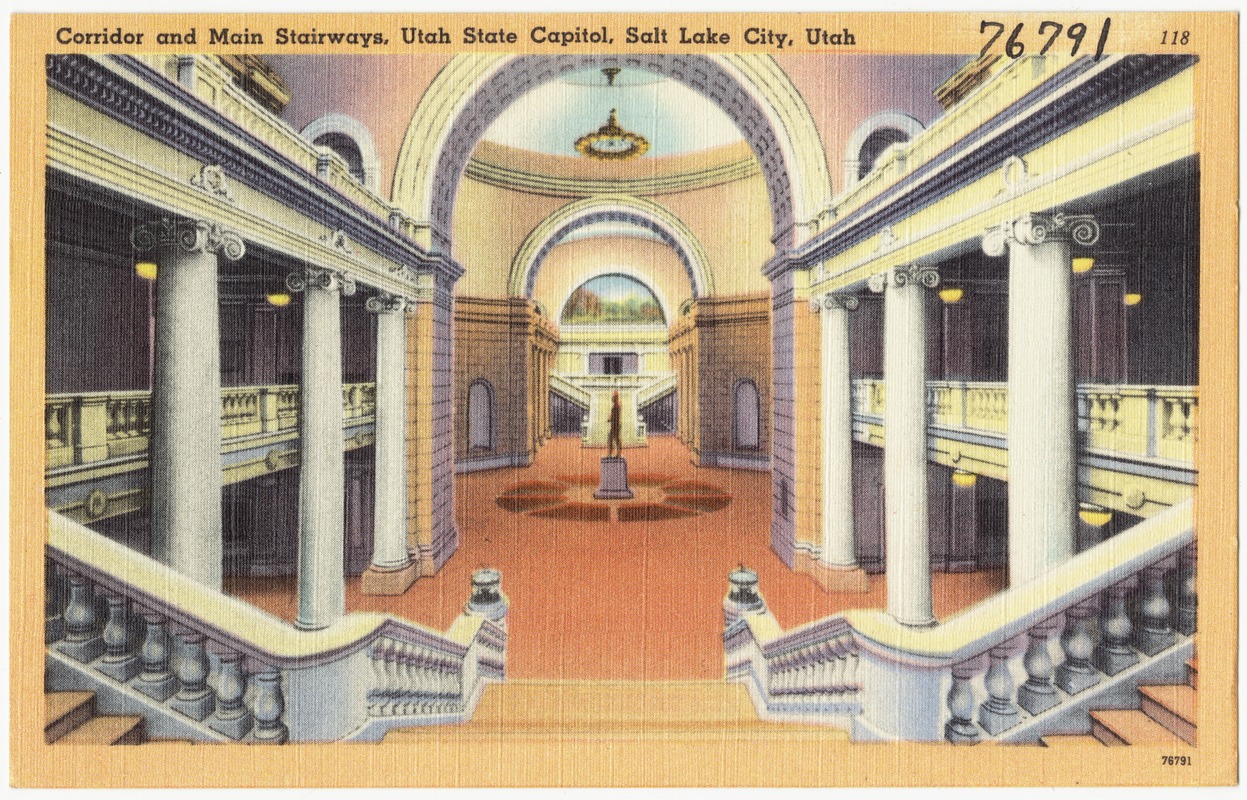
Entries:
{"x":616,"y":600}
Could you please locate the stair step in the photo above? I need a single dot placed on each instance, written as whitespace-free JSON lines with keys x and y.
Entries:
{"x":1174,"y":707}
{"x":706,"y":711}
{"x":1070,"y":739}
{"x":1192,"y":672}
{"x":108,"y":730}
{"x":64,"y":711}
{"x":573,"y":703}
{"x":1126,"y":726}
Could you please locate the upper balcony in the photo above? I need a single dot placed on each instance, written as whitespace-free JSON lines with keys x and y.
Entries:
{"x":1136,"y":449}
{"x":96,"y":443}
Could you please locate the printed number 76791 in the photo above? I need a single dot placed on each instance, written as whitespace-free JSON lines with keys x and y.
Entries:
{"x":1015,"y":47}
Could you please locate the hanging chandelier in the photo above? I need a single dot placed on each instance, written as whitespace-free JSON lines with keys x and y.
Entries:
{"x":611,"y":142}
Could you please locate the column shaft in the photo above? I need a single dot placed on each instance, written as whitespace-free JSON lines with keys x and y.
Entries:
{"x":1042,"y":497}
{"x":839,"y":546}
{"x":905,"y":454}
{"x":390,"y":529}
{"x":322,"y":588}
{"x":185,"y":452}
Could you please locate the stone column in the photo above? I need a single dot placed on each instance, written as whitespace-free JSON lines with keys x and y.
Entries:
{"x":322,"y":585}
{"x":905,"y":447}
{"x":1043,"y":499}
{"x":837,"y":569}
{"x":185,"y":453}
{"x":392,"y":571}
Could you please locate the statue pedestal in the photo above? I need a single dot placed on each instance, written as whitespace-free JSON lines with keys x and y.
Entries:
{"x":613,"y":484}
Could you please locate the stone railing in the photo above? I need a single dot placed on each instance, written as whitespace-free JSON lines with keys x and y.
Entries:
{"x":97,"y":426}
{"x":655,"y":390}
{"x":1072,"y":635}
{"x":1152,"y":422}
{"x":559,"y":384}
{"x":200,"y":665}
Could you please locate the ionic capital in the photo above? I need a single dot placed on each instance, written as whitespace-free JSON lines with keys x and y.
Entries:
{"x":385,"y":303}
{"x":1034,"y":229}
{"x":318,"y":278}
{"x":190,"y":236}
{"x":903,"y":275}
{"x":831,"y":301}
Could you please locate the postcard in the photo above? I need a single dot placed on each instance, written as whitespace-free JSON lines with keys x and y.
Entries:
{"x":624,"y":399}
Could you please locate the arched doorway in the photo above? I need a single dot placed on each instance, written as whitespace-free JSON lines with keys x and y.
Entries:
{"x":473,"y":91}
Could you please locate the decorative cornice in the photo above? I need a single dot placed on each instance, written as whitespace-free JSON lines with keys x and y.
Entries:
{"x":516,"y":179}
{"x":197,"y":236}
{"x":317,"y":278}
{"x":1034,"y":229}
{"x":222,"y":143}
{"x":955,"y":169}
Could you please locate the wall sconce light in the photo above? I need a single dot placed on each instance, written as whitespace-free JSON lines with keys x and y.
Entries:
{"x":952,"y":295}
{"x":1094,"y":515}
{"x":964,"y":479}
{"x":1132,"y":298}
{"x":1083,"y":264}
{"x":146,"y":270}
{"x":279,"y":299}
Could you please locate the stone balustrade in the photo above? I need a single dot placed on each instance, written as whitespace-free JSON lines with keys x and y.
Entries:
{"x":1024,"y":663}
{"x":1149,"y":422}
{"x":201,"y":665}
{"x":88,"y":427}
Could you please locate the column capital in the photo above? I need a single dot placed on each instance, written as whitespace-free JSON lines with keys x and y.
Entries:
{"x":319,"y":278}
{"x":190,"y":236}
{"x":384,"y":303}
{"x":1034,"y":229}
{"x":898,"y":276}
{"x":832,"y":300}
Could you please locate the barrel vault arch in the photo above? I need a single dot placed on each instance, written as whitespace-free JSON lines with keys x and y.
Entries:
{"x":473,"y":89}
{"x":609,"y":208}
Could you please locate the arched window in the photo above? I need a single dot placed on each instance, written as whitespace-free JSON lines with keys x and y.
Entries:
{"x":351,"y":139}
{"x":875,"y":135}
{"x":746,"y":414}
{"x":480,"y":415}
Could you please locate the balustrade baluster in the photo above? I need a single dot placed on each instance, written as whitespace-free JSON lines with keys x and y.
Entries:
{"x":1037,"y":694}
{"x":409,"y":676}
{"x":392,"y":694}
{"x":999,"y":713}
{"x":118,"y":662}
{"x":155,"y":681}
{"x":54,"y":601}
{"x":1154,"y":633}
{"x":960,"y":729}
{"x":194,"y":699}
{"x":1076,"y":672}
{"x":378,"y":672}
{"x":1188,"y":601}
{"x":81,"y":641}
{"x":269,"y":705}
{"x":1114,"y":653}
{"x":232,"y":717}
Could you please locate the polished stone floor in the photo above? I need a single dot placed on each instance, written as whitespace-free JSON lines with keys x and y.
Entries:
{"x":594,"y":597}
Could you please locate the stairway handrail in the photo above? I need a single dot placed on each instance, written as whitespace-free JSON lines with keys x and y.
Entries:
{"x":1013,"y":611}
{"x":234,"y":622}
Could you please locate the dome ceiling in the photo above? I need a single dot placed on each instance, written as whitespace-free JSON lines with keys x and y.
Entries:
{"x":671,"y":117}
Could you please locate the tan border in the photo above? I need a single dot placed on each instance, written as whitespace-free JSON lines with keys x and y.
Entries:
{"x":731,"y":762}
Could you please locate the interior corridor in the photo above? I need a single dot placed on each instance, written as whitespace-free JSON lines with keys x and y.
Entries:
{"x":616,"y":600}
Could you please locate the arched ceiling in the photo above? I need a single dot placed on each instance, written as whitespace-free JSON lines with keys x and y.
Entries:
{"x":672,"y":116}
